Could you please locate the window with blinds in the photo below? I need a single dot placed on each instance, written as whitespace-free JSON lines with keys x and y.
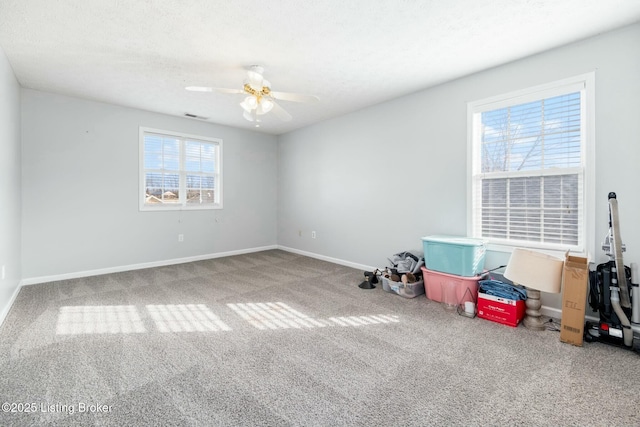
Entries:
{"x":179,"y":171}
{"x":528,"y":168}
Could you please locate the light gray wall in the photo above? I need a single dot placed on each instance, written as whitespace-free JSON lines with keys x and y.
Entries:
{"x":374,"y":182}
{"x":10,"y":181}
{"x":80,"y":190}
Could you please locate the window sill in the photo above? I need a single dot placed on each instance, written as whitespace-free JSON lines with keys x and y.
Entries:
{"x":165,"y":208}
{"x":557,"y":251}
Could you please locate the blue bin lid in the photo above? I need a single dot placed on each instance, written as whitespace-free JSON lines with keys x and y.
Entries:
{"x":453,"y":240}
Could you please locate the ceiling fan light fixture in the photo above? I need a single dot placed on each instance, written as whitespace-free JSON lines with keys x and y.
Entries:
{"x":250,"y":103}
{"x":265,"y":106}
{"x":247,"y":115}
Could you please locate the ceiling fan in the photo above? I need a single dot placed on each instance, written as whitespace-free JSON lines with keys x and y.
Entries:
{"x":260,"y":99}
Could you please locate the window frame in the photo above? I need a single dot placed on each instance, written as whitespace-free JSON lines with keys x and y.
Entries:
{"x":182,"y":137}
{"x":585,"y":83}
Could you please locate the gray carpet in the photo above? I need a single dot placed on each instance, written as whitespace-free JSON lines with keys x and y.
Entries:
{"x":278,"y":339}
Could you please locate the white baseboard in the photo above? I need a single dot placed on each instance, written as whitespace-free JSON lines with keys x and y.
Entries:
{"x":130,"y":267}
{"x":556,"y":313}
{"x":7,"y":307}
{"x":328,"y":259}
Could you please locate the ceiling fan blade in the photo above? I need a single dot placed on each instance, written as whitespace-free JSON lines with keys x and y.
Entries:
{"x":213,"y":89}
{"x":295,"y":97}
{"x":199,"y":88}
{"x":281,"y":113}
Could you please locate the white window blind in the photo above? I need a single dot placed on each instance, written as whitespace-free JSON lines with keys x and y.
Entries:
{"x":528,"y":168}
{"x":179,"y":171}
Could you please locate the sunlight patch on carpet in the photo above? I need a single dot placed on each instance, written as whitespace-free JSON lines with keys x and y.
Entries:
{"x":185,"y":318}
{"x":364,"y":320}
{"x":278,"y":315}
{"x":99,"y":319}
{"x":274,"y":315}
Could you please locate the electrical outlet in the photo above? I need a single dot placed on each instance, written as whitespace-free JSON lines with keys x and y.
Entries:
{"x":180,"y":237}
{"x":313,"y":234}
{"x":299,"y":233}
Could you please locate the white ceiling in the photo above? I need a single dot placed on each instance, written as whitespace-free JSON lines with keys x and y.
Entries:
{"x":349,"y":53}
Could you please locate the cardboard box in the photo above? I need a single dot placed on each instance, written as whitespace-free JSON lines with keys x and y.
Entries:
{"x":575,"y":283}
{"x":502,"y":310}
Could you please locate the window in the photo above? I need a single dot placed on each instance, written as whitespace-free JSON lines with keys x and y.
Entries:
{"x":529,"y":154}
{"x":179,"y":171}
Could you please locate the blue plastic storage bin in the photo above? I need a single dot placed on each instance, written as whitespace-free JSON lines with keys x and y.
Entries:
{"x":461,"y":256}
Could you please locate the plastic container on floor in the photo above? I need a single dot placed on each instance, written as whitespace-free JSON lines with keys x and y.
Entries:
{"x":411,"y":290}
{"x":461,"y":256}
{"x":466,"y":288}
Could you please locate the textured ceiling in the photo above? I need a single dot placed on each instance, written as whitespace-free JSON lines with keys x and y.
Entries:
{"x":349,"y":53}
